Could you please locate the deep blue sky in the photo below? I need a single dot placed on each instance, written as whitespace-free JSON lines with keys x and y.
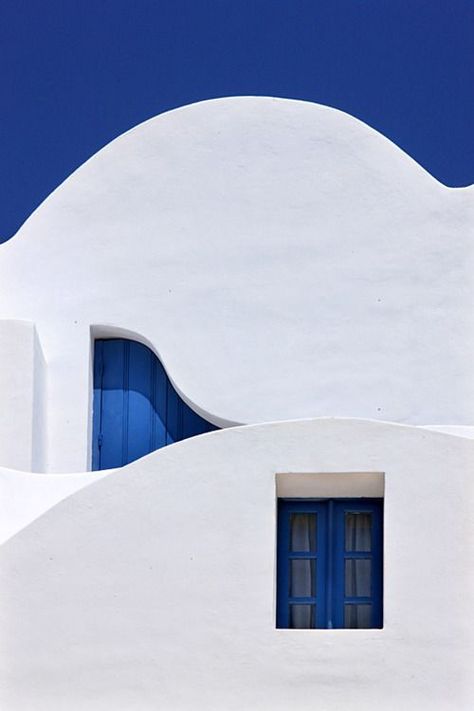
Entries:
{"x":77,"y":73}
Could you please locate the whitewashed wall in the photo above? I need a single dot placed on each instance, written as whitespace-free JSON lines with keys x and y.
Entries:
{"x":283,"y":259}
{"x":154,"y":588}
{"x":21,"y":396}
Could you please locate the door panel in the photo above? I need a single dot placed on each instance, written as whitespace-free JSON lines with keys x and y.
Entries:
{"x":136,"y":409}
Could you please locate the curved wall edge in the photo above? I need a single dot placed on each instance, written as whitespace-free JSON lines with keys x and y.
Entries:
{"x":165,"y":564}
{"x":26,"y":496}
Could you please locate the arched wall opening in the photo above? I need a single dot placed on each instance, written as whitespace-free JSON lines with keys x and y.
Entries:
{"x":136,"y":409}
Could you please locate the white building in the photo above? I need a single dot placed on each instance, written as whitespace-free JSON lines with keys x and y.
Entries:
{"x":294,"y":272}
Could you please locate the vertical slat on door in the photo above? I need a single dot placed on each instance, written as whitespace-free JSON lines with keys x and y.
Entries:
{"x":114,"y":398}
{"x":160,"y":400}
{"x":140,"y":422}
{"x":97,"y":406}
{"x":173,"y":415}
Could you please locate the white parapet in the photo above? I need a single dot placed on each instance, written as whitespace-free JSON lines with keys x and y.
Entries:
{"x":155,"y":587}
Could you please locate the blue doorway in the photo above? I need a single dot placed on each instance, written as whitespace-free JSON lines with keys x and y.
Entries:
{"x":135,"y":408}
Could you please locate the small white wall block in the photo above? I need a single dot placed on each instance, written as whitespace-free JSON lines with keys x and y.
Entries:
{"x":17,"y":393}
{"x":326,"y":486}
{"x":66,"y":348}
{"x":39,"y":423}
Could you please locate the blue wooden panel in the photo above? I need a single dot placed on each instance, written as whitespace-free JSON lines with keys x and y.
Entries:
{"x":331,"y":598}
{"x":113,"y":449}
{"x":97,"y":404}
{"x":160,"y":404}
{"x":136,"y":409}
{"x":374,"y":507}
{"x":193,"y":424}
{"x":140,"y":403}
{"x":174,"y":427}
{"x":285,"y":509}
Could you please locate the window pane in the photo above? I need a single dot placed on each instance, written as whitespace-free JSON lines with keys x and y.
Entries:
{"x":357,"y":616}
{"x":358,"y":531}
{"x":358,"y":577}
{"x":303,"y":532}
{"x":302,"y":616}
{"x":302,"y":579}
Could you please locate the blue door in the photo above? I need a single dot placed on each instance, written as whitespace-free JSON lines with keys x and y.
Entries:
{"x":136,"y":409}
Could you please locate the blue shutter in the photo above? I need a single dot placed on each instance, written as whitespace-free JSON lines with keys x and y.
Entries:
{"x":368,"y":601}
{"x":136,"y":409}
{"x":337,"y":564}
{"x":290,"y":554}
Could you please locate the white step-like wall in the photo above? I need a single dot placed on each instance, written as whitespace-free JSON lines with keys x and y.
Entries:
{"x":155,"y":587}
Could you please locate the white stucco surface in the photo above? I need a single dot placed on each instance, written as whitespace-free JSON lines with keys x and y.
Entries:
{"x":24,"y":496}
{"x":283,"y":259}
{"x":154,"y":588}
{"x":458,"y":430}
{"x":18,"y":383}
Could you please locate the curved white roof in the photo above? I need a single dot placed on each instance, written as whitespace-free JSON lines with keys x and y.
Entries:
{"x":282,"y":258}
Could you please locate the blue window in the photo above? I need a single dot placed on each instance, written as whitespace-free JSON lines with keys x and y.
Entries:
{"x":136,"y":409}
{"x":329,"y":567}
